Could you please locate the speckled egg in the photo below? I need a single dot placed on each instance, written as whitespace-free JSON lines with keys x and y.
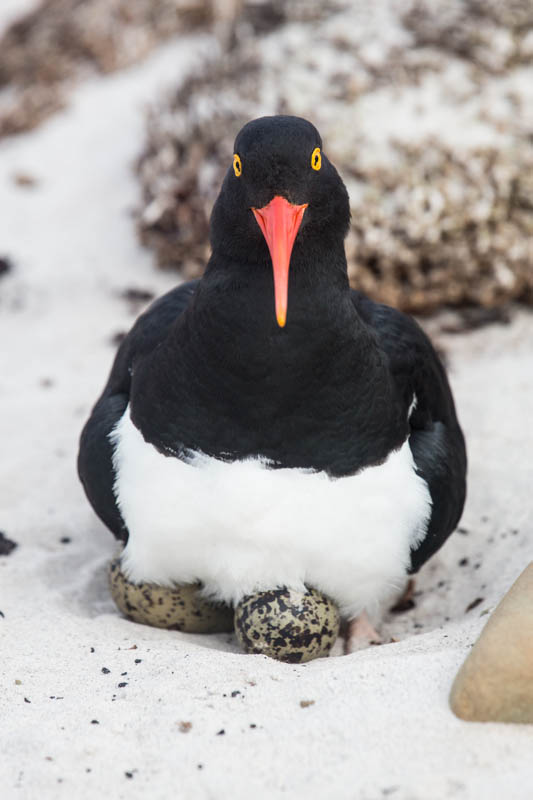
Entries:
{"x":180,"y":608}
{"x":287,"y":625}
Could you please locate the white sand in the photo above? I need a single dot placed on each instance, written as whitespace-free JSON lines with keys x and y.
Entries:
{"x":379,"y":725}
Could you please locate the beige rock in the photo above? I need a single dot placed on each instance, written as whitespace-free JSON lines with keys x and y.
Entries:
{"x":495,"y":682}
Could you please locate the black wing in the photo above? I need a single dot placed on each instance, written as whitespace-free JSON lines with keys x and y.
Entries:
{"x":95,"y":466}
{"x":436,"y":439}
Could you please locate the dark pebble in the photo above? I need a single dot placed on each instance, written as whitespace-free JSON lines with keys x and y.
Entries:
{"x":106,"y":671}
{"x":136,"y":295}
{"x":463,"y":562}
{"x":122,"y":685}
{"x":6,"y":545}
{"x":94,"y":722}
{"x":474,"y":603}
{"x":117,"y":338}
{"x":25,"y":180}
{"x":65,"y":540}
{"x":221,"y":732}
{"x":6,"y":265}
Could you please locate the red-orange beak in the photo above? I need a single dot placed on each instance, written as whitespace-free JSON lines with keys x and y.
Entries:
{"x":280,"y":221}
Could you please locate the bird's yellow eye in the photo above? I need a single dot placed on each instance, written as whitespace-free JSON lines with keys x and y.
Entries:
{"x":316,"y":158}
{"x":237,"y":165}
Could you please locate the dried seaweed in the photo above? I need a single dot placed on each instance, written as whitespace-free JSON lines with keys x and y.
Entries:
{"x":47,"y":51}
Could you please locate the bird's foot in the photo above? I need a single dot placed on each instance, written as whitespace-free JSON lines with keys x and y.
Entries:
{"x":287,"y":625}
{"x":360,"y":634}
{"x":181,"y":608}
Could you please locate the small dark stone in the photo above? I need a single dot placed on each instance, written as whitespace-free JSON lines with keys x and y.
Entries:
{"x":136,"y":295}
{"x":106,"y":671}
{"x":235,"y":693}
{"x":122,"y":685}
{"x":138,"y":660}
{"x":6,"y":545}
{"x":94,"y":722}
{"x":117,"y":338}
{"x":221,"y":732}
{"x":463,"y":562}
{"x":26,"y":700}
{"x":65,"y":540}
{"x":128,"y":774}
{"x":253,"y":725}
{"x":6,"y":265}
{"x":92,"y":650}
{"x":474,"y":603}
{"x":25,"y":180}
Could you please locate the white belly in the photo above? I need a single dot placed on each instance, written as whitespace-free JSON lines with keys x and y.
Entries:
{"x":241,"y":527}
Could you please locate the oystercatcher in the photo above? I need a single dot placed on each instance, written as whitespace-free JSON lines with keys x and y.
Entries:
{"x":267,"y":426}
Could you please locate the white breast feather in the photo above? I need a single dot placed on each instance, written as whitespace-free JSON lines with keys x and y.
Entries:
{"x":241,"y":527}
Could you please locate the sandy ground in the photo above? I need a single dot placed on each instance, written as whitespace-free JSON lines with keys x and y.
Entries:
{"x":92,"y":705}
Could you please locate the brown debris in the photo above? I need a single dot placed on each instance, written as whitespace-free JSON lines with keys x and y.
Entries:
{"x":474,"y":604}
{"x":44,"y":53}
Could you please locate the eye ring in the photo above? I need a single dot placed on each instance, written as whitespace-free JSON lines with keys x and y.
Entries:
{"x":316,"y":159}
{"x":237,"y":165}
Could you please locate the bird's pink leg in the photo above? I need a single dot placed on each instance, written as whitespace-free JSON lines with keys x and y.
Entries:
{"x":360,"y":633}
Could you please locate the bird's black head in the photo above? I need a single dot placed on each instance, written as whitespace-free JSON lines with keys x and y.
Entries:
{"x":281,"y":192}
